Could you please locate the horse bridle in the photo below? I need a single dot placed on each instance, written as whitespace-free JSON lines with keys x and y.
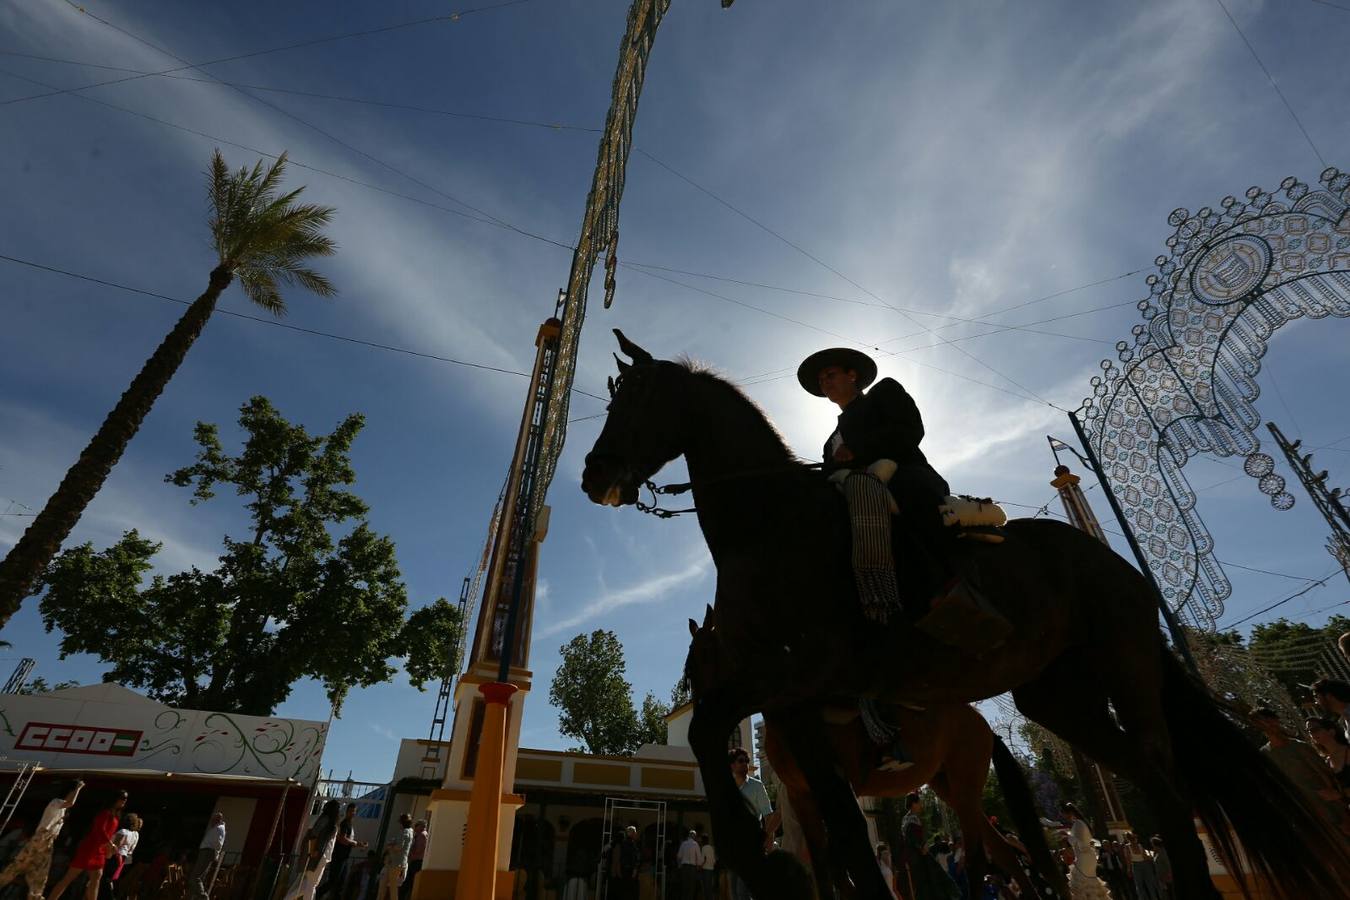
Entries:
{"x":686,"y":486}
{"x":656,"y":490}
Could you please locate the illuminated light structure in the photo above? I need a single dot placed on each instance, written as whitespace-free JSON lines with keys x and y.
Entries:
{"x":473,"y":817}
{"x":1186,"y":385}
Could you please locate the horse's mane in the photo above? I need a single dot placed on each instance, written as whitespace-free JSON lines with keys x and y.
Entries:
{"x":708,"y":375}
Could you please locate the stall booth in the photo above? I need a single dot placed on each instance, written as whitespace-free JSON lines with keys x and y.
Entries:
{"x":179,"y":766}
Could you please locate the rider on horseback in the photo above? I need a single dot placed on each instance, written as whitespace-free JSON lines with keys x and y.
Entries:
{"x":874,"y":450}
{"x":874,"y":455}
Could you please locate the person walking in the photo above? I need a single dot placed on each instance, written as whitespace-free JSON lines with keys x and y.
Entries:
{"x":416,"y":853}
{"x":708,"y":868}
{"x":396,"y":859}
{"x":689,"y":858}
{"x":920,"y":877}
{"x":125,"y":840}
{"x":1111,"y":869}
{"x":207,"y":860}
{"x":93,"y":851}
{"x":319,"y":843}
{"x":1084,"y":883}
{"x":336,"y":873}
{"x":1141,"y":866}
{"x":756,"y":797}
{"x":34,"y":859}
{"x":624,"y":860}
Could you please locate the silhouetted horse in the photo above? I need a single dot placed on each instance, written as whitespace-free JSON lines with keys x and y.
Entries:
{"x":951,"y":747}
{"x":1085,"y":658}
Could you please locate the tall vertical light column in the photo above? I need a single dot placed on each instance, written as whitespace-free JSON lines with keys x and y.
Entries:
{"x":473,"y":812}
{"x":1102,"y":796}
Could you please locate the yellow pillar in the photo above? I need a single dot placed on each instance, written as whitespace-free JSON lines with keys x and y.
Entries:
{"x":478,"y":866}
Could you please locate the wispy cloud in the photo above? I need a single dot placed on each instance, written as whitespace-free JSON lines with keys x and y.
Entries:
{"x":382,"y":731}
{"x":649,"y":590}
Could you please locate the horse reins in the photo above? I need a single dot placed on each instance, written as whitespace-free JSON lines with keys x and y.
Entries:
{"x":684,"y":487}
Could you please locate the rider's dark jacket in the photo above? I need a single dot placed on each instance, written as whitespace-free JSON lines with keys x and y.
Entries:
{"x":884,"y":423}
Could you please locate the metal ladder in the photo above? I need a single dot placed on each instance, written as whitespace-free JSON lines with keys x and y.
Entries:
{"x":22,"y":778}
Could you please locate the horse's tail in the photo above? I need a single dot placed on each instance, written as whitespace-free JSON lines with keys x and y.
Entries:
{"x":1013,"y":780}
{"x":1249,"y":808}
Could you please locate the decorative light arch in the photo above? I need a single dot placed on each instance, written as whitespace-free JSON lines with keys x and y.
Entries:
{"x":1187,"y":385}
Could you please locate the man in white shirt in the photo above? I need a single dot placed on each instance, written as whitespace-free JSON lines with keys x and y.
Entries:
{"x":708,"y":860}
{"x":209,"y":852}
{"x":690,"y":857}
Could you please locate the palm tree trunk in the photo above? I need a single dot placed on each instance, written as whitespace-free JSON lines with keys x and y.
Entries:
{"x":28,"y":558}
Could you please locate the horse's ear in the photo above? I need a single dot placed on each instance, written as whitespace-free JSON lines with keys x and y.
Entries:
{"x":623,"y":366}
{"x":632,"y":350}
{"x":709,"y":617}
{"x":693,"y":628}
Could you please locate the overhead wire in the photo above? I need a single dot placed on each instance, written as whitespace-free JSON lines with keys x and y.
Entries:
{"x":811,"y":256}
{"x":304,"y":165}
{"x":1271,"y":78}
{"x":954,"y":320}
{"x":453,"y":16}
{"x":488,"y":218}
{"x":460,"y":213}
{"x":283,"y":325}
{"x":312,"y":95}
{"x":295,"y":118}
{"x":1294,"y":596}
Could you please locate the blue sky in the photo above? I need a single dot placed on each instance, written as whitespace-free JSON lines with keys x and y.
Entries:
{"x":952,"y":158}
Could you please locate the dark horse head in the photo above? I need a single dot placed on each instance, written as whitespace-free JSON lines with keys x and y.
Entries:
{"x":709,"y":663}
{"x":641,"y":433}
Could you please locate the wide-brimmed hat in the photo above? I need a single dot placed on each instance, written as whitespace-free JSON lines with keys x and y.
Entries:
{"x":808,"y":373}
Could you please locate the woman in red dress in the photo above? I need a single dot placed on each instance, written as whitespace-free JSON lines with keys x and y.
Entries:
{"x":93,"y":851}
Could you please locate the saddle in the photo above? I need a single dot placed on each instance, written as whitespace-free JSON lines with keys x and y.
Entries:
{"x":962,"y":617}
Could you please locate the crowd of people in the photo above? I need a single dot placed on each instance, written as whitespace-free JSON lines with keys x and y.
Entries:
{"x":93,"y":868}
{"x":99,"y":866}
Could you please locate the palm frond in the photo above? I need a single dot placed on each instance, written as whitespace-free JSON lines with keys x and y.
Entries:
{"x":265,"y":236}
{"x":261,"y":287}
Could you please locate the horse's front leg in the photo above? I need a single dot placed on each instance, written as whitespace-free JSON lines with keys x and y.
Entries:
{"x":736,"y":831}
{"x":803,"y":732}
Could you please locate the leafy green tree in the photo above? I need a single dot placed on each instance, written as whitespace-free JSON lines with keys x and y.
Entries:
{"x":309,"y":592}
{"x":651,"y":722}
{"x":1292,"y":652}
{"x":263,"y":238}
{"x":680,"y":694}
{"x":594,"y":700}
{"x":432,"y":643}
{"x":39,"y":685}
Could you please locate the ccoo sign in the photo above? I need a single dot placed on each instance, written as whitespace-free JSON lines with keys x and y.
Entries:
{"x":44,"y":736}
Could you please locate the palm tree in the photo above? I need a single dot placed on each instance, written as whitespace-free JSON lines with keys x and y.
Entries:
{"x":261,"y":238}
